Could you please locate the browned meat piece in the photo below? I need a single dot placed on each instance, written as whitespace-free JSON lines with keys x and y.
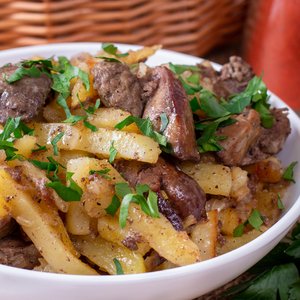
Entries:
{"x":272,"y":140}
{"x":185,"y":195}
{"x":241,"y":136}
{"x":17,"y":253}
{"x":25,"y":97}
{"x":232,"y":79}
{"x":7,"y":226}
{"x":170,"y":98}
{"x":118,"y":87}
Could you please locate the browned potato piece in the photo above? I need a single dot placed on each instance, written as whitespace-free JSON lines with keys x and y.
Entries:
{"x":129,"y":145}
{"x":204,"y":235}
{"x":213,"y":179}
{"x":43,"y":227}
{"x":102,"y":253}
{"x":229,"y":220}
{"x":110,"y":229}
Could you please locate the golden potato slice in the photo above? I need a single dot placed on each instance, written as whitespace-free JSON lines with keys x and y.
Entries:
{"x":46,"y":232}
{"x":129,"y":145}
{"x":110,"y":117}
{"x":110,"y":230}
{"x":213,"y":179}
{"x":102,"y":253}
{"x":204,"y":235}
{"x":229,"y":220}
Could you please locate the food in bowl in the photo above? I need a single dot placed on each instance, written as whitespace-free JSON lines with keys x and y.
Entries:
{"x":171,"y":170}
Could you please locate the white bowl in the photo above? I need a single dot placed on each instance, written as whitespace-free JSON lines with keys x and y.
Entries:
{"x":181,"y":283}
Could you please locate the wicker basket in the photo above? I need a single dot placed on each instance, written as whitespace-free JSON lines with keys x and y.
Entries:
{"x":188,"y":26}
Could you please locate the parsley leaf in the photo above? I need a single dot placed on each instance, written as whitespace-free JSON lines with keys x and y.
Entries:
{"x":194,"y":78}
{"x":10,"y":126}
{"x":68,"y":193}
{"x":20,"y":72}
{"x":111,"y":49}
{"x":279,"y":203}
{"x":40,"y":148}
{"x":190,"y":90}
{"x":108,"y":58}
{"x":289,"y":173}
{"x":254,"y":220}
{"x":194,"y":104}
{"x":164,"y":122}
{"x":101,"y":172}
{"x":145,"y":126}
{"x":55,"y":141}
{"x":118,"y":267}
{"x":148,"y":206}
{"x":179,"y":69}
{"x":112,"y":152}
{"x":90,"y":126}
{"x":113,"y":207}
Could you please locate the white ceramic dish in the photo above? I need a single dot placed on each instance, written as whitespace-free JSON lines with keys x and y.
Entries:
{"x":180,"y":283}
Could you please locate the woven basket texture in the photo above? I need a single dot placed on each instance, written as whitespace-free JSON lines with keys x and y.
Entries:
{"x":189,"y":26}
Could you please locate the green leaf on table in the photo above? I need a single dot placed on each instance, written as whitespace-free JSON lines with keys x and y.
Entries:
{"x":275,"y":281}
{"x":294,"y":292}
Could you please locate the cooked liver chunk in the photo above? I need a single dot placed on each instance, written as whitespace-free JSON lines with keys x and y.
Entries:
{"x":170,"y":98}
{"x":272,"y":140}
{"x":17,"y":253}
{"x":25,"y":97}
{"x":232,"y":79}
{"x":118,"y":87}
{"x":241,"y":136}
{"x":185,"y":195}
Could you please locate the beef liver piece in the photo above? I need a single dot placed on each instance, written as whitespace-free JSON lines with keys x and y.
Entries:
{"x":185,"y":195}
{"x":272,"y":139}
{"x":241,"y":136}
{"x":25,"y":97}
{"x":17,"y":253}
{"x":118,"y":87}
{"x":170,"y":98}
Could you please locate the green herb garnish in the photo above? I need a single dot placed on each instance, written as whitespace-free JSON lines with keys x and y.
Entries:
{"x":255,"y":219}
{"x":289,"y":173}
{"x":118,"y":267}
{"x":112,"y":152}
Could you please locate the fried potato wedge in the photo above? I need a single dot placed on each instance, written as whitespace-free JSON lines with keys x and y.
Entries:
{"x":110,"y":230}
{"x":129,"y":145}
{"x":110,"y":117}
{"x":213,"y":179}
{"x":45,"y":231}
{"x":204,"y":235}
{"x":157,"y":232}
{"x":102,"y":253}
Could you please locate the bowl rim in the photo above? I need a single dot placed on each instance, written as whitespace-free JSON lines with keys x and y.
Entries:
{"x":287,"y":220}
